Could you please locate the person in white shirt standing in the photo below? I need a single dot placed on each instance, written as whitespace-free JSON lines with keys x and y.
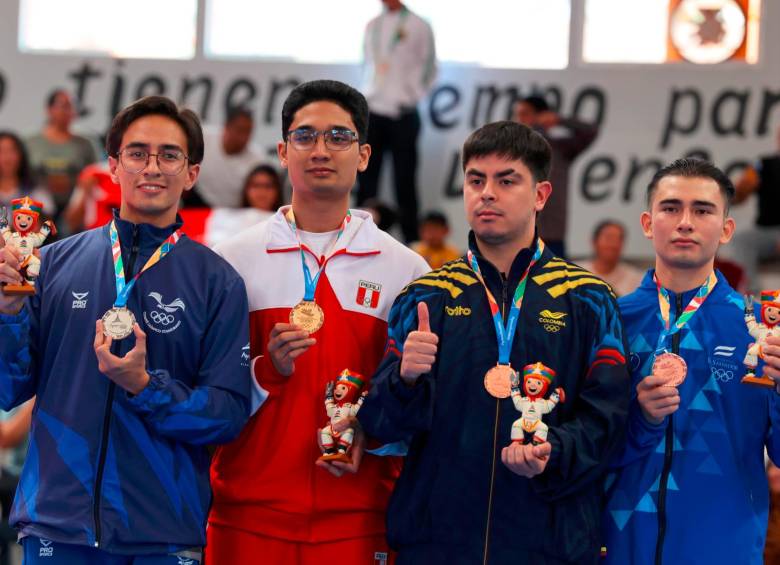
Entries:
{"x":400,"y":63}
{"x":228,"y":158}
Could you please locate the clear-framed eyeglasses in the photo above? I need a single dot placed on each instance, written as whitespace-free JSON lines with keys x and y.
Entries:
{"x":170,"y":162}
{"x":336,"y":139}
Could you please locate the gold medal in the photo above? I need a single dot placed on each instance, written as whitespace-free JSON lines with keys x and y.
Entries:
{"x":118,"y":323}
{"x":671,"y":367}
{"x":498,"y":381}
{"x":307,"y":315}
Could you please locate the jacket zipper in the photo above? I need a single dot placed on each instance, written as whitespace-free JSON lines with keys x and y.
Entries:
{"x":668,"y":453}
{"x":504,"y":298}
{"x":115,"y":346}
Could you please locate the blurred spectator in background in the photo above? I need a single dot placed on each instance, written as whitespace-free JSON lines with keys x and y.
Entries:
{"x":57,"y":156}
{"x":772,"y":547}
{"x":433,"y":245}
{"x":568,"y":138}
{"x":228,"y":158}
{"x":261,"y":196}
{"x":384,"y":216}
{"x":16,"y":178}
{"x":93,"y":200}
{"x":400,"y":67}
{"x":607,"y":240}
{"x":750,"y":245}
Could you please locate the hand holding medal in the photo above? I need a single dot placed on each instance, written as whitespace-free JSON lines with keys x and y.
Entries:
{"x":420,"y":348}
{"x":286,"y":343}
{"x":128,"y":372}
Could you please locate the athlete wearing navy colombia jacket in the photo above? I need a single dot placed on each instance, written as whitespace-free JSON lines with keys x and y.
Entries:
{"x":462,"y":498}
{"x":690,"y":485}
{"x":117,"y":462}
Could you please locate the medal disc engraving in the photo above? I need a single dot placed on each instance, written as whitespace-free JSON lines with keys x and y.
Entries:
{"x":307,"y":315}
{"x":498,"y":381}
{"x":671,"y":367}
{"x":118,"y":323}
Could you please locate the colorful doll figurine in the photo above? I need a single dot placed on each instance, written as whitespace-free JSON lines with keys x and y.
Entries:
{"x":24,"y":235}
{"x":770,"y":316}
{"x":532,"y":405}
{"x":343,"y":399}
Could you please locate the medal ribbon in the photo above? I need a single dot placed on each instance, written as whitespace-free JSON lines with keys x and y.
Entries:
{"x":309,"y":281}
{"x":506,"y":334}
{"x":664,"y":302}
{"x":123,"y":289}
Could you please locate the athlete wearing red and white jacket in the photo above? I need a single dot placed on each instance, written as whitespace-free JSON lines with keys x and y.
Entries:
{"x":271,"y":501}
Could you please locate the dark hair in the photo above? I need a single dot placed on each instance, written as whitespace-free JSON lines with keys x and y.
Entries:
{"x":271,"y":172}
{"x":435,"y":217}
{"x":24,"y":173}
{"x":236,"y":112}
{"x":160,"y":106}
{"x":513,"y":141}
{"x":334,"y":91}
{"x":387,"y":216}
{"x":538,"y":103}
{"x":691,"y":167}
{"x":52,"y":97}
{"x":603,"y":224}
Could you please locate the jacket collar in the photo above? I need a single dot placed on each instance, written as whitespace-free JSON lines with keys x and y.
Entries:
{"x":148,"y":237}
{"x":360,"y":237}
{"x":519,"y":264}
{"x":721,"y":288}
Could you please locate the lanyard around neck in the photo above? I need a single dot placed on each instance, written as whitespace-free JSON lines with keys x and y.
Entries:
{"x":123,"y":288}
{"x":506,"y":333}
{"x":309,"y":281}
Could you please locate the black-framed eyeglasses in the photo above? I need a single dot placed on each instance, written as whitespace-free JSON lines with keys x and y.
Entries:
{"x":336,"y":139}
{"x":170,"y":162}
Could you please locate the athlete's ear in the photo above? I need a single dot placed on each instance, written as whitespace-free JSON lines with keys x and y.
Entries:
{"x":646,"y":219}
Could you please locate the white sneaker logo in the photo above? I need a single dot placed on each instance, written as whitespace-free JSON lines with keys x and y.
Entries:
{"x":80,"y":302}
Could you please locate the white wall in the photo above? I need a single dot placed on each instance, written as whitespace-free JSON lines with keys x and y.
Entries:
{"x":649,"y":113}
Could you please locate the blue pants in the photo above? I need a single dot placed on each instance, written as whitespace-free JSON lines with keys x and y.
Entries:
{"x":44,"y":552}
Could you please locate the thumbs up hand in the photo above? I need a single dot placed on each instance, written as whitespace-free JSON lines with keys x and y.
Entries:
{"x":420,"y":348}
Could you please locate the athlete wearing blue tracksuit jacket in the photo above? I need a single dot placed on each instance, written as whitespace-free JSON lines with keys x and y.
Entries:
{"x":117,"y":467}
{"x":705,"y":465}
{"x":690,"y":486}
{"x":127,"y":474}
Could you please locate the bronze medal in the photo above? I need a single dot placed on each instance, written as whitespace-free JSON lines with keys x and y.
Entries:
{"x":498,"y":381}
{"x":118,"y":323}
{"x":671,"y":367}
{"x":307,"y":315}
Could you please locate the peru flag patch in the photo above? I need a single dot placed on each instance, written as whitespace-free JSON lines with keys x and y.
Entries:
{"x":368,"y":294}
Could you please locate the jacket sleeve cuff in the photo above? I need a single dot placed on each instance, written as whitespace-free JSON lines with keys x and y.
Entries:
{"x":403,"y":392}
{"x":20,"y":318}
{"x":150,"y":397}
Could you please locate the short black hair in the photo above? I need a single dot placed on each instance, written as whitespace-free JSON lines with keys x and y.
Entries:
{"x":161,"y":106}
{"x":512,"y":141}
{"x":52,"y":97}
{"x":537,"y":102}
{"x":435,"y":217}
{"x":236,"y":112}
{"x":334,"y":91}
{"x":691,"y":167}
{"x":24,"y":173}
{"x":603,"y":224}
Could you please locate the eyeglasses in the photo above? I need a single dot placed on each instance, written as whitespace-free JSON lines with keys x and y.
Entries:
{"x":170,"y":162}
{"x":335,"y":139}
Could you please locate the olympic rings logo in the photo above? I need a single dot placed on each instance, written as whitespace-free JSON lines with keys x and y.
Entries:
{"x":160,"y":318}
{"x":551,"y":328}
{"x":722,"y":375}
